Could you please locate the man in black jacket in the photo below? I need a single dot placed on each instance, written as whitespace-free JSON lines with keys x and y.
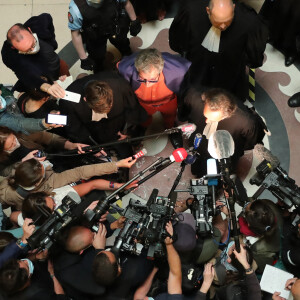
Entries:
{"x":217,"y":109}
{"x":29,"y":51}
{"x":107,"y":111}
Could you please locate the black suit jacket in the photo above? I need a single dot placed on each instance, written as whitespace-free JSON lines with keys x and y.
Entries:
{"x":30,"y":68}
{"x":74,"y":272}
{"x":125,"y":109}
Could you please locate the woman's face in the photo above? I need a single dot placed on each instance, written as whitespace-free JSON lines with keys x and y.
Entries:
{"x":10,"y":142}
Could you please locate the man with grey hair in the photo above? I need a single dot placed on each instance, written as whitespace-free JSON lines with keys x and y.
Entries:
{"x":156,"y":79}
{"x":220,"y":39}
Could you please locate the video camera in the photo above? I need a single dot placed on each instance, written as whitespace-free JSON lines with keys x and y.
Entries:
{"x":277,"y":181}
{"x":203,"y":205}
{"x":145,"y":226}
{"x":45,"y":235}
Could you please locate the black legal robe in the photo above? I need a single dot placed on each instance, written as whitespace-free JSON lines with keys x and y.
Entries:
{"x":241,"y":44}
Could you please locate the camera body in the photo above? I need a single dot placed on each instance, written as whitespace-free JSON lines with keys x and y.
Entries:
{"x":277,"y":181}
{"x":202,"y":207}
{"x":145,"y":226}
{"x":45,"y":235}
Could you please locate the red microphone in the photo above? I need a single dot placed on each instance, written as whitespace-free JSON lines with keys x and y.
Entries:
{"x":139,"y":154}
{"x":178,"y":155}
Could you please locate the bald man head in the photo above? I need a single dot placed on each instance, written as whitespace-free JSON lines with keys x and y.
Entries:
{"x":22,"y":39}
{"x":79,"y":238}
{"x":296,"y":290}
{"x":220,"y":13}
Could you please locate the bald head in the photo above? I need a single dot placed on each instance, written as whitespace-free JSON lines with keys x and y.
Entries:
{"x":21,"y":38}
{"x":296,"y":290}
{"x":220,"y":13}
{"x":79,"y":238}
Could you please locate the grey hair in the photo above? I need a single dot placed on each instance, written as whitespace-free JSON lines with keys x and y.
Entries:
{"x":148,"y":59}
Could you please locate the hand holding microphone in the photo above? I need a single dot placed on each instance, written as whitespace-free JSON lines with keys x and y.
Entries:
{"x":139,"y":154}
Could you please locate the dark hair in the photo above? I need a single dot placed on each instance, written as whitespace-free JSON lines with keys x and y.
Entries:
{"x":31,"y":204}
{"x":38,"y":94}
{"x":261,"y":218}
{"x":5,"y":239}
{"x":99,"y":96}
{"x":27,"y":174}
{"x":234,"y":276}
{"x":14,"y":33}
{"x":12,"y":277}
{"x":220,"y":100}
{"x":104,"y":272}
{"x":4,"y":133}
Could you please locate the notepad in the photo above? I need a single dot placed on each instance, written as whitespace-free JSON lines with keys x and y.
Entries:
{"x":273,"y":280}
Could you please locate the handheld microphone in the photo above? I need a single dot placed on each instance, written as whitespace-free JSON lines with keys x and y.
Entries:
{"x":187,"y":129}
{"x":197,"y":140}
{"x":139,"y":154}
{"x":178,"y":155}
{"x":191,"y":158}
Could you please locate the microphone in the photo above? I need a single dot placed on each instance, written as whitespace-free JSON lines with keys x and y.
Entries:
{"x":176,"y":140}
{"x":221,"y":147}
{"x":262,"y":153}
{"x":197,"y":140}
{"x":187,"y":129}
{"x":178,"y":155}
{"x":191,"y":158}
{"x":139,"y":154}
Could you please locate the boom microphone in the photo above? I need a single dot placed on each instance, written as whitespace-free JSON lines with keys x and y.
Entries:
{"x":221,"y":147}
{"x":261,"y":153}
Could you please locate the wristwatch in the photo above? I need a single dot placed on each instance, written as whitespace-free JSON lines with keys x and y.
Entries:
{"x":248,"y":270}
{"x":21,"y":244}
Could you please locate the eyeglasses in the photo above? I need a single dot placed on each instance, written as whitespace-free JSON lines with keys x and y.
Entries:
{"x":149,"y":81}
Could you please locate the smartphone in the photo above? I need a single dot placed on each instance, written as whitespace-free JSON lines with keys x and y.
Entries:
{"x":56,"y":119}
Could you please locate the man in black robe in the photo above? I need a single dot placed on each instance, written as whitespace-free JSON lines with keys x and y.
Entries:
{"x":283,"y":17}
{"x":216,"y":109}
{"x":103,"y":122}
{"x":220,"y":39}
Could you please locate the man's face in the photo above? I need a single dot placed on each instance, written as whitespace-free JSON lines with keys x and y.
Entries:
{"x":212,"y":116}
{"x":26,"y":44}
{"x":149,"y":78}
{"x":221,"y":16}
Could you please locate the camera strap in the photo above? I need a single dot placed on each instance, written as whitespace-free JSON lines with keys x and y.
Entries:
{"x":22,"y":192}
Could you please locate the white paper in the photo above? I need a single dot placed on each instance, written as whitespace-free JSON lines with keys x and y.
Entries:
{"x":70,"y":96}
{"x":273,"y":280}
{"x":64,"y":84}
